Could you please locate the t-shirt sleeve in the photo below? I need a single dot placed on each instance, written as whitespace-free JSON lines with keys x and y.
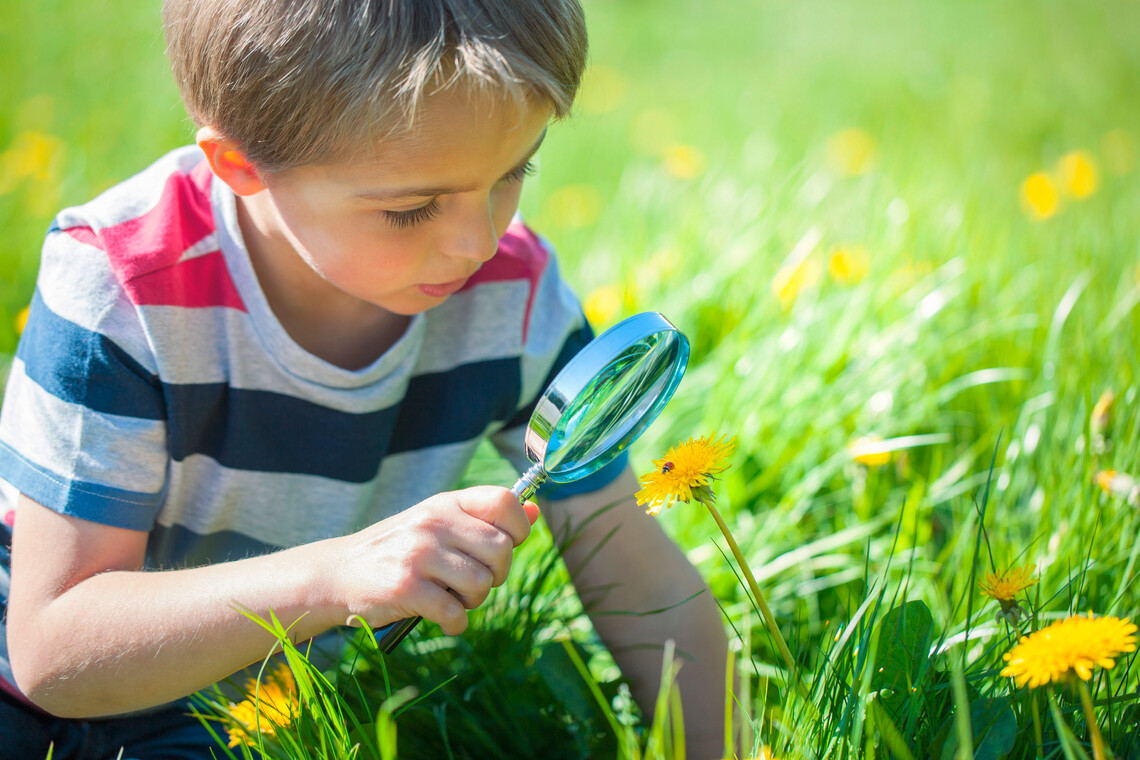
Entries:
{"x":82,"y":427}
{"x":556,"y":330}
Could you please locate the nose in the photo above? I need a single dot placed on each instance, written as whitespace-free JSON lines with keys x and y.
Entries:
{"x":473,"y":236}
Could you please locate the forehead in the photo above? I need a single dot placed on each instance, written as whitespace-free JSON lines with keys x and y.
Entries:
{"x":459,"y":138}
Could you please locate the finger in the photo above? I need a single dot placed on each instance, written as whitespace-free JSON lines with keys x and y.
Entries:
{"x":467,"y":579}
{"x":532,"y":511}
{"x":443,"y":608}
{"x":482,"y":544}
{"x":498,"y":507}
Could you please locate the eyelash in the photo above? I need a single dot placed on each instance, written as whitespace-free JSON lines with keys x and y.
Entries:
{"x":404,"y":219}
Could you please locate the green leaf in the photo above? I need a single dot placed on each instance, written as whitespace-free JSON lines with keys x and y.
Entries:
{"x":565,"y":682}
{"x":994,"y":729}
{"x":905,"y":634}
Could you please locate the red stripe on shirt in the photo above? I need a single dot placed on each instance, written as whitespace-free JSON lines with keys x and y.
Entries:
{"x":521,"y":256}
{"x":146,"y":252}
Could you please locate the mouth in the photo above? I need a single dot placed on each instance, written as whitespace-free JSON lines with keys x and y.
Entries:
{"x":443,"y":289}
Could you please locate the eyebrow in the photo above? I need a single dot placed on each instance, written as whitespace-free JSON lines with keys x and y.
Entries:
{"x":416,"y":192}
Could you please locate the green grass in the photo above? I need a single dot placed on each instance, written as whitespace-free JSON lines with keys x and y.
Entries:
{"x":985,"y":333}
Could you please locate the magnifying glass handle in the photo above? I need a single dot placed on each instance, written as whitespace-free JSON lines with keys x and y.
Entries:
{"x":526,"y":486}
{"x":390,"y":636}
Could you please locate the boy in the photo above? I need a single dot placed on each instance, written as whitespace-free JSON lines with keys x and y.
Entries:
{"x":249,"y":371}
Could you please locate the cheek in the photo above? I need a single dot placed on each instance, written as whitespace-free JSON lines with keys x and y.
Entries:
{"x":505,"y":203}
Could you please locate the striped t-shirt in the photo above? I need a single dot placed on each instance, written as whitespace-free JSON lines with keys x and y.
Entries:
{"x":153,"y":388}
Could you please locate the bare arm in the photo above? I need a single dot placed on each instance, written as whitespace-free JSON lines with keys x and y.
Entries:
{"x":90,"y":633}
{"x":640,"y":569}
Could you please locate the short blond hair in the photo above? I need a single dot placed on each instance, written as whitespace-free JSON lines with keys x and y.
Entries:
{"x":297,"y":82}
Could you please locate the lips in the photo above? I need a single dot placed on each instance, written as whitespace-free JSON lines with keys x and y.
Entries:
{"x":444,"y":289}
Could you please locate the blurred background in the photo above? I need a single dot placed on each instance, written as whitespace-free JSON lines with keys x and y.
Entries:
{"x":903,"y":237}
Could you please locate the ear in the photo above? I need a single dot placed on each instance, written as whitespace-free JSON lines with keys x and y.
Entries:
{"x":228,"y":162}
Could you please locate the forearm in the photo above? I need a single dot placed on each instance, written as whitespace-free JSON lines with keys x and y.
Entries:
{"x":639,"y":570}
{"x":125,"y":640}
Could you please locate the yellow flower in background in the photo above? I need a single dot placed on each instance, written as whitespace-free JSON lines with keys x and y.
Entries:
{"x":31,"y":155}
{"x":271,"y":705}
{"x":1119,"y":484}
{"x":848,"y":265}
{"x":1005,"y":586}
{"x":1068,"y":648}
{"x":1078,"y":174}
{"x":852,"y":151}
{"x":868,"y":450}
{"x":21,"y":320}
{"x":573,"y":206}
{"x":685,"y":473}
{"x":1118,"y":147}
{"x":1102,"y":413}
{"x":792,"y":279}
{"x":1099,"y":421}
{"x":603,"y":304}
{"x":1039,"y":196}
{"x":604,"y":89}
{"x":684,"y":161}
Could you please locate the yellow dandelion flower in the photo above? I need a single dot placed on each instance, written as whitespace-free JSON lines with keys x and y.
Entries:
{"x":1005,"y":586}
{"x":683,"y":161}
{"x":31,"y":155}
{"x":21,"y":320}
{"x":848,"y":265}
{"x":1101,"y":413}
{"x":1078,"y":174}
{"x":1067,"y":648}
{"x":852,"y":152}
{"x":1039,"y":196}
{"x":868,"y":450}
{"x":603,"y":304}
{"x":1119,"y":484}
{"x":791,"y":280}
{"x":685,"y":473}
{"x":271,"y":705}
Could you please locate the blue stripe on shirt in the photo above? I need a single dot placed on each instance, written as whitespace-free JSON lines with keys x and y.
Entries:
{"x":84,"y":367}
{"x":90,"y":501}
{"x":266,"y":431}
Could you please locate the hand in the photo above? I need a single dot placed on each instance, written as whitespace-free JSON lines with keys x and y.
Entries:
{"x":437,"y":559}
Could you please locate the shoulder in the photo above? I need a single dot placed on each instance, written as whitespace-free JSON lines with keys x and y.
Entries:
{"x":155,"y":232}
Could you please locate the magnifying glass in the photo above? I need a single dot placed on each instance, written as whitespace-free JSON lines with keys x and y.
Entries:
{"x":593,"y":410}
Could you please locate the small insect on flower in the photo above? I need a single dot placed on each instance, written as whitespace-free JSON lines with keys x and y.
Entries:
{"x":685,"y":473}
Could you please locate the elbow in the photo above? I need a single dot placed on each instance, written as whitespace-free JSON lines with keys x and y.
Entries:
{"x":37,"y":682}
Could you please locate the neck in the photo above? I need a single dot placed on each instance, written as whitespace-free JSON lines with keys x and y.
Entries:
{"x":325,"y":321}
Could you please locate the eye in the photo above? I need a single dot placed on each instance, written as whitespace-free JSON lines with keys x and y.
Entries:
{"x":404,"y":219}
{"x":518,"y":175}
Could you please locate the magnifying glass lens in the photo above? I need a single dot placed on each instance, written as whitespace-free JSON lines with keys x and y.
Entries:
{"x":615,"y":407}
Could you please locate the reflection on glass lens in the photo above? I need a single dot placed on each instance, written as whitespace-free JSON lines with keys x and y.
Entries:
{"x":614,"y":408}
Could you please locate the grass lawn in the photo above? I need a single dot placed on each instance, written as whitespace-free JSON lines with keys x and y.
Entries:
{"x":904,"y":240}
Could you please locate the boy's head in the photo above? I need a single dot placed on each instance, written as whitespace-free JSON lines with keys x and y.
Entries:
{"x":300,"y":82}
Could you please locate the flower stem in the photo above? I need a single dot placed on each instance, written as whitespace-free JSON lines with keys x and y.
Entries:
{"x":1090,"y":716}
{"x":769,"y":620}
{"x":1038,"y":740}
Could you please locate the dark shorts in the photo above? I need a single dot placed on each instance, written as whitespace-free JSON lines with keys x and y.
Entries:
{"x":171,"y":733}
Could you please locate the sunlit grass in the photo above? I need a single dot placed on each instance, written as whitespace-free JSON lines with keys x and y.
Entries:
{"x":902,"y":241}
